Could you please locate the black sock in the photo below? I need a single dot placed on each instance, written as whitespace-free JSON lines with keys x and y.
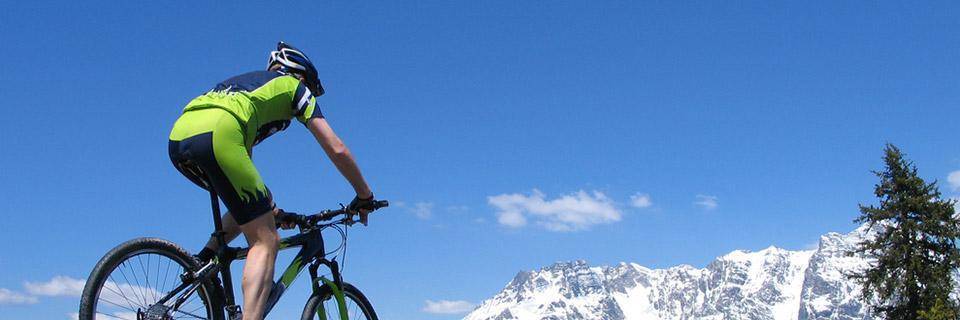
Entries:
{"x":206,"y":254}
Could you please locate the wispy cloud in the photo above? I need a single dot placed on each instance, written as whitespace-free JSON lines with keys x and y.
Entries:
{"x":641,"y":200}
{"x":447,"y":307}
{"x":116,"y":315}
{"x":423,"y":210}
{"x":706,"y":202}
{"x":8,"y":296}
{"x":58,"y":286}
{"x":573,"y":212}
{"x":954,"y":180}
{"x":63,"y":286}
{"x":458,"y":209}
{"x":116,"y":293}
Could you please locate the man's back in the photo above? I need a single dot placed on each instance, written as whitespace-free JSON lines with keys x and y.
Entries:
{"x":262,"y":101}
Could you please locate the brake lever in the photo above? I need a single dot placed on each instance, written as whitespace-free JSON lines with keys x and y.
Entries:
{"x":348,"y":221}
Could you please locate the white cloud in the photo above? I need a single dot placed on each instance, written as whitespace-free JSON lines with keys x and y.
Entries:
{"x":706,"y":202}
{"x":423,"y":210}
{"x":447,"y":307}
{"x":115,"y":293}
{"x":116,"y":315}
{"x":573,"y":212}
{"x":58,"y":286}
{"x":458,"y":209}
{"x":641,"y":200}
{"x":954,"y":180}
{"x":12,"y":297}
{"x":118,"y":293}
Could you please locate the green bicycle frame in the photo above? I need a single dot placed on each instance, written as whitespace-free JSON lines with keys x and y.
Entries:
{"x":311,"y":254}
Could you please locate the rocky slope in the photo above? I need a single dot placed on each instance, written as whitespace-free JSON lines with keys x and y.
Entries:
{"x":769,"y":284}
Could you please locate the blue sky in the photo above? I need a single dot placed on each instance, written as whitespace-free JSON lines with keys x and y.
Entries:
{"x":510,"y":135}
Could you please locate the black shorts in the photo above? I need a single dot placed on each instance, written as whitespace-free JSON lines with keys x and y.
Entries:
{"x":219,"y":160}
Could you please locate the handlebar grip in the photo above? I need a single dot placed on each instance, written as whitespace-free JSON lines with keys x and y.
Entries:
{"x":284,"y":217}
{"x":381,"y":204}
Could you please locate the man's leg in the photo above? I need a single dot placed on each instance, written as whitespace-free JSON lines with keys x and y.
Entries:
{"x":230,"y":231}
{"x":261,"y":234}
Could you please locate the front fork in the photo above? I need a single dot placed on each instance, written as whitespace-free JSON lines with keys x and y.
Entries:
{"x":334,"y":285}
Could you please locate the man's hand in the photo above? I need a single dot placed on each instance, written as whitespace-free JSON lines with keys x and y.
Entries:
{"x":362,"y":206}
{"x":284,"y":220}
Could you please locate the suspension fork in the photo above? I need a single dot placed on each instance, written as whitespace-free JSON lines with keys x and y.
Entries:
{"x":313,"y":277}
{"x":335,"y":285}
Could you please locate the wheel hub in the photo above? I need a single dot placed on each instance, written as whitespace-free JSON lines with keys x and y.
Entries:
{"x":155,"y":312}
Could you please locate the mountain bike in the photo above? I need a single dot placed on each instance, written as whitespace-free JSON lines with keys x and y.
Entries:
{"x":155,"y":279}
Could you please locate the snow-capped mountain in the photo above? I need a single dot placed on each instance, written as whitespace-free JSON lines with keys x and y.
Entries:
{"x":769,"y":284}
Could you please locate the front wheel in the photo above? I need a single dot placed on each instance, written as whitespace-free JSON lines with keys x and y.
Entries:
{"x":323,"y":305}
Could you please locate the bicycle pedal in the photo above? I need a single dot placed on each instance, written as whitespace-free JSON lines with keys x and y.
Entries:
{"x":234,"y":312}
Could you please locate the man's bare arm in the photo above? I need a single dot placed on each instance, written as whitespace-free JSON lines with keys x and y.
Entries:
{"x":340,"y":155}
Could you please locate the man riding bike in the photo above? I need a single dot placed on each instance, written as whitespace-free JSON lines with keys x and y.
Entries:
{"x":212,"y":145}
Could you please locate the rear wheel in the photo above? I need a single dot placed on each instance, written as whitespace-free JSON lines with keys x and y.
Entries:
{"x":131,"y":278}
{"x":323,"y":305}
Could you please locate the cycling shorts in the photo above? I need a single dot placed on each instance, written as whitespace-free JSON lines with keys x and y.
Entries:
{"x":208,"y":147}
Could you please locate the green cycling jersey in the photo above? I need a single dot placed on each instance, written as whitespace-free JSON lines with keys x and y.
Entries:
{"x":263,"y":102}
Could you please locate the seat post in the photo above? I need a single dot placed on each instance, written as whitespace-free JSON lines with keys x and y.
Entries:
{"x":230,"y":304}
{"x":217,"y":223}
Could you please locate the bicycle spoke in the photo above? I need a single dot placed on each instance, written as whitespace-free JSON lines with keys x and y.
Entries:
{"x":165,"y":273}
{"x":191,"y":299}
{"x":194,"y":309}
{"x":159,"y":289}
{"x":116,"y":317}
{"x":189,"y":302}
{"x":113,"y":303}
{"x":150,"y":288}
{"x":114,"y":282}
{"x":124,"y":274}
{"x":136,"y":280}
{"x":191,"y":315}
{"x":146,"y":279}
{"x":139,"y":287}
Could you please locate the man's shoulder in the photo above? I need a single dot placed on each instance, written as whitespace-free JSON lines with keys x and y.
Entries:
{"x":248,"y":81}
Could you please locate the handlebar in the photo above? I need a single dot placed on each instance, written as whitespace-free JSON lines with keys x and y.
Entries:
{"x":310,"y":221}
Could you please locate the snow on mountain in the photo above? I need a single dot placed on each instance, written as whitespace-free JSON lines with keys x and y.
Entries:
{"x":772,"y":283}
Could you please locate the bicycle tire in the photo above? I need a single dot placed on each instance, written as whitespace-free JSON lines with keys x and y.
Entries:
{"x":209,"y":293}
{"x":350,"y":293}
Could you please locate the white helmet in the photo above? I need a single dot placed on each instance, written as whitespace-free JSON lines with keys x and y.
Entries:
{"x":293,"y":60}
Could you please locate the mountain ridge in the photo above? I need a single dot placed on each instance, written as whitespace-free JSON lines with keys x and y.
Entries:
{"x":772,"y":283}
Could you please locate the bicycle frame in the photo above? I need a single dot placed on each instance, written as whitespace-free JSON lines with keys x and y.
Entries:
{"x":311,"y":253}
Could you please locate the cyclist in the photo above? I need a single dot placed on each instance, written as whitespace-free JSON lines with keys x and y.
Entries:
{"x":212,"y":145}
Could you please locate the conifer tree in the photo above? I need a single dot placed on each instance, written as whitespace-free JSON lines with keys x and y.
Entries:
{"x":914,"y":252}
